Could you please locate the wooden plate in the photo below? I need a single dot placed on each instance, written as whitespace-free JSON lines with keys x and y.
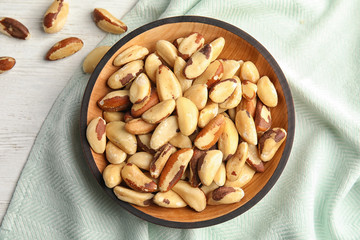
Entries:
{"x":239,"y":45}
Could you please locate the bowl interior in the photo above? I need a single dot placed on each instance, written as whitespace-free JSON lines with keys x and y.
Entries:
{"x":237,"y":47}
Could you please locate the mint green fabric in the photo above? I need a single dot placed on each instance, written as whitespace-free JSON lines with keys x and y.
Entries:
{"x":316,"y":43}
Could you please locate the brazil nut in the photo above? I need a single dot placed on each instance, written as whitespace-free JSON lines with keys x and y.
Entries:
{"x":152,"y":63}
{"x":211,"y":75}
{"x":230,"y":68}
{"x":107,"y":22}
{"x":169,"y":199}
{"x":168,"y":86}
{"x":246,"y":126}
{"x":194,"y":197}
{"x":267,"y":92}
{"x":112,"y":175}
{"x":117,"y":134}
{"x":136,"y":179}
{"x":270,"y":142}
{"x":181,"y":141}
{"x":96,"y":134}
{"x":138,"y":109}
{"x":222,"y":90}
{"x":141,"y":159}
{"x":115,"y":101}
{"x":235,"y":97}
{"x":262,"y":117}
{"x":160,"y":158}
{"x":249,"y":72}
{"x":220,"y":176}
{"x":190,"y":44}
{"x":198,"y":94}
{"x":125,"y":74}
{"x":188,"y":114}
{"x":208,"y":166}
{"x":167,"y":51}
{"x":114,"y":154}
{"x":228,"y":140}
{"x":140,"y":89}
{"x":159,"y":112}
{"x":210,"y":134}
{"x":217,"y":45}
{"x":198,"y":62}
{"x":55,"y":16}
{"x":245,"y":175}
{"x":132,"y":53}
{"x":178,"y":71}
{"x":253,"y":159}
{"x":225,"y":195}
{"x":237,"y":162}
{"x":138,"y":126}
{"x":134,"y":197}
{"x":207,"y":113}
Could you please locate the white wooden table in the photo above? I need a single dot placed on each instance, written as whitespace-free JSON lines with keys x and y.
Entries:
{"x":28,"y":91}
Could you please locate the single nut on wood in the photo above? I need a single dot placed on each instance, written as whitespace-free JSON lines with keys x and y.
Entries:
{"x":230,"y":68}
{"x":190,"y":44}
{"x":130,"y":54}
{"x":165,"y":131}
{"x":112,"y":175}
{"x":198,"y":94}
{"x":138,"y":109}
{"x":209,"y":165}
{"x":115,"y":101}
{"x":152,"y":64}
{"x":222,"y":90}
{"x":167,"y":51}
{"x":159,"y":112}
{"x":253,"y":159}
{"x":245,"y":175}
{"x":167,"y":84}
{"x":64,"y":48}
{"x":114,"y":154}
{"x":138,"y":126}
{"x":207,"y":113}
{"x":211,"y":75}
{"x":248,"y":105}
{"x":93,"y":58}
{"x":198,"y":62}
{"x":235,"y":164}
{"x":194,"y":197}
{"x":246,"y":126}
{"x":143,"y":141}
{"x":178,"y":71}
{"x":96,"y":134}
{"x":13,"y":28}
{"x":160,"y":159}
{"x":136,"y":179}
{"x":270,"y":142}
{"x":188,"y":114}
{"x":210,"y":134}
{"x":229,"y":139}
{"x":249,"y":72}
{"x":169,"y":199}
{"x":107,"y":22}
{"x":181,"y":141}
{"x":262,"y":117}
{"x":113,"y":116}
{"x":234,"y":98}
{"x":6,"y":63}
{"x":142,"y":160}
{"x":55,"y":16}
{"x":140,"y":89}
{"x":225,"y":195}
{"x":249,"y":90}
{"x":134,"y":197}
{"x":220,"y":176}
{"x":218,"y":45}
{"x":125,"y":74}
{"x":117,"y":134}
{"x":267,"y":92}
{"x":194,"y":179}
{"x":174,"y":168}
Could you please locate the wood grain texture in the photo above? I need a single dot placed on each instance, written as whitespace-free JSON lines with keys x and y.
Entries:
{"x":238,"y":48}
{"x":31,"y":87}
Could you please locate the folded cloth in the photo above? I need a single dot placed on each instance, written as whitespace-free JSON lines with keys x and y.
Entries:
{"x":318,"y":195}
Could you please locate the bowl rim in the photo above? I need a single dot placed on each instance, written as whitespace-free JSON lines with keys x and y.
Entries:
{"x":289,"y":105}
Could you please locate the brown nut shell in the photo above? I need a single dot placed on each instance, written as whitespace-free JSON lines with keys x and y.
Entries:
{"x":107,"y":22}
{"x":55,"y":16}
{"x":13,"y":28}
{"x":210,"y":134}
{"x":64,"y":48}
{"x":6,"y":63}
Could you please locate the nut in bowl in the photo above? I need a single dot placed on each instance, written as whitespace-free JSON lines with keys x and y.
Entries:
{"x":187,"y":165}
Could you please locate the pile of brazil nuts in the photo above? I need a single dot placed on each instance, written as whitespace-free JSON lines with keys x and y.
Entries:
{"x":173,"y":122}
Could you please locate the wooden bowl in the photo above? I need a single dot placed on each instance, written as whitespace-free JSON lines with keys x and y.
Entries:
{"x":239,"y":45}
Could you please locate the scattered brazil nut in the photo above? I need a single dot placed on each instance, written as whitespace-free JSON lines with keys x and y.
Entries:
{"x":107,"y":22}
{"x":115,"y":101}
{"x":174,"y":168}
{"x":194,"y":197}
{"x":112,"y":174}
{"x":55,"y":16}
{"x":136,"y":179}
{"x":6,"y":63}
{"x":117,"y":134}
{"x":160,"y":158}
{"x":270,"y":142}
{"x":96,"y":134}
{"x":93,"y":58}
{"x":246,"y":126}
{"x":188,"y":114}
{"x":267,"y":92}
{"x":225,"y":195}
{"x":169,"y":199}
{"x":13,"y":28}
{"x":132,"y":53}
{"x":64,"y":48}
{"x":210,"y":134}
{"x":125,"y":74}
{"x":134,"y":197}
{"x":208,"y":166}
